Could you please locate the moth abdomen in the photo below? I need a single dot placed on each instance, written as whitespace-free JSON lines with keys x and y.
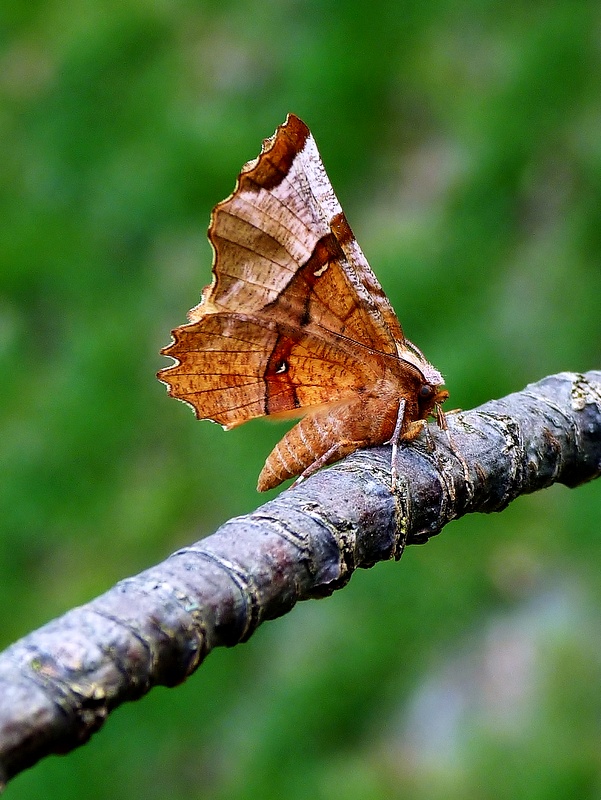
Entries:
{"x":315,"y":441}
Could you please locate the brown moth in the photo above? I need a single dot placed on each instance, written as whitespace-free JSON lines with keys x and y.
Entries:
{"x":295,"y":322}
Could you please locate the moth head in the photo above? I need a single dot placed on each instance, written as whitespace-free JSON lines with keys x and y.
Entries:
{"x":430,"y":396}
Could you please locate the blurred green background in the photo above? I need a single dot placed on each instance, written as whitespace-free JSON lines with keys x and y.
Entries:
{"x":464,"y":142}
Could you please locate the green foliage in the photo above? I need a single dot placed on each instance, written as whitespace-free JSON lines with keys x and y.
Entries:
{"x":463,"y":141}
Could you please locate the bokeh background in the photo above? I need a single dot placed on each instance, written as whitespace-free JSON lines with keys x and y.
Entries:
{"x":464,"y":142}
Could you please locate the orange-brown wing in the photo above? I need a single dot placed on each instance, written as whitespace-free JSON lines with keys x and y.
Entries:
{"x":233,"y":367}
{"x":282,"y":246}
{"x":290,"y":284}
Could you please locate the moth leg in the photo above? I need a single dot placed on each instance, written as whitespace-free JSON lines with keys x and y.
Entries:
{"x":441,"y":418}
{"x":394,"y":441}
{"x":422,"y":425}
{"x":430,"y":446}
{"x":334,"y":453}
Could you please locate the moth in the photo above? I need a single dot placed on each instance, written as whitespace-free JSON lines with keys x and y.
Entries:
{"x":295,"y":323}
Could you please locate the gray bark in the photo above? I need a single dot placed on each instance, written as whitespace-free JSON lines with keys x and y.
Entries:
{"x":59,"y":683}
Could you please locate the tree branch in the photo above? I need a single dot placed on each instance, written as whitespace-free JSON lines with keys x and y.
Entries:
{"x":59,"y":683}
